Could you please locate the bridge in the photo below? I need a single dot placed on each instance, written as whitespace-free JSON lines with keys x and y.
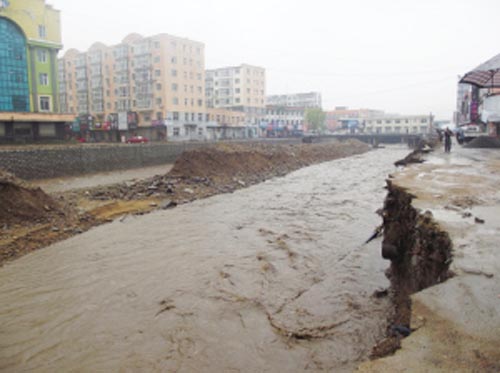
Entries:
{"x":380,"y":138}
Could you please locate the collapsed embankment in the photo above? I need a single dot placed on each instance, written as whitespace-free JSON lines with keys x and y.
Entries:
{"x":420,"y":253}
{"x":454,"y":324}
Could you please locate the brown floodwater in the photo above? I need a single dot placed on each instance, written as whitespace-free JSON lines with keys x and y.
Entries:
{"x":272,"y":278}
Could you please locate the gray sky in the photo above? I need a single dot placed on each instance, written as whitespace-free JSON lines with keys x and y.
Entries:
{"x":395,"y":55}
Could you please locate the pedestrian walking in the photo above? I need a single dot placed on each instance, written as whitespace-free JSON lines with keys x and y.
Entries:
{"x":447,"y":140}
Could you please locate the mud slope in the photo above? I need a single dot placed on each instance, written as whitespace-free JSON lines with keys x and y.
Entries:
{"x":30,"y":218}
{"x":21,"y":203}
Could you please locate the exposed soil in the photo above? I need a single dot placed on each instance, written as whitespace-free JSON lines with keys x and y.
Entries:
{"x":31,"y":219}
{"x":420,"y":253}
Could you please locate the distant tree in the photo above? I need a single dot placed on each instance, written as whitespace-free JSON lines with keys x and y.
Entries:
{"x":315,"y":119}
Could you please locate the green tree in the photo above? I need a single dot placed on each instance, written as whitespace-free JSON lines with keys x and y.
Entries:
{"x":315,"y":119}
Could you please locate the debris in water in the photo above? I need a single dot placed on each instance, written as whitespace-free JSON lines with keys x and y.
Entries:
{"x":377,"y":233}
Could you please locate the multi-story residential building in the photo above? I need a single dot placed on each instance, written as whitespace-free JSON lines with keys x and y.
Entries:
{"x":30,"y":37}
{"x":306,"y":100}
{"x":399,"y":124}
{"x":224,"y":117}
{"x":240,"y":88}
{"x":139,"y":85}
{"x":283,"y":121}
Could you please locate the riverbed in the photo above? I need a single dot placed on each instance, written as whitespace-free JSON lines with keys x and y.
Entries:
{"x":274,"y":277}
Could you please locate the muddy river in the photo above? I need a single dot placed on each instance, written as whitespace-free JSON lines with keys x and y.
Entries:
{"x":272,"y":278}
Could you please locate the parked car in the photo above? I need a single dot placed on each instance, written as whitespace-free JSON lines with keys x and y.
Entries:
{"x":471,"y":131}
{"x":137,"y":140}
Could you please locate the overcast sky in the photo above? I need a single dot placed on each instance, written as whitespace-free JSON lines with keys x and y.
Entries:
{"x":400,"y":56}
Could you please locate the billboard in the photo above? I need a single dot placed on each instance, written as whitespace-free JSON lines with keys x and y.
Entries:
{"x":132,"y":120}
{"x":122,"y":121}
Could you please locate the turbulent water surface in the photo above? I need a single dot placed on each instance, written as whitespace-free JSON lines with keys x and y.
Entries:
{"x":273,"y":278}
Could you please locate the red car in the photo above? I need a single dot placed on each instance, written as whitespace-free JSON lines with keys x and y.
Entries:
{"x":137,"y":140}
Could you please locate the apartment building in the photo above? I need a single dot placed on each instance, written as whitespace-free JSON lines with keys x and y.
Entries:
{"x":30,"y":38}
{"x":143,"y":82}
{"x":240,"y":88}
{"x":305,"y":100}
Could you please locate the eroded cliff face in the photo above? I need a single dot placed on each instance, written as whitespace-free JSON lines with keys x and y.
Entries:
{"x":420,"y":253}
{"x":419,"y":250}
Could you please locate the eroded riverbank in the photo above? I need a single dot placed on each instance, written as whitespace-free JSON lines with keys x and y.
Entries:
{"x":455,"y":323}
{"x":274,"y":277}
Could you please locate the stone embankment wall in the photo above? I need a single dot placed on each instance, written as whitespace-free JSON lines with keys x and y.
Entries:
{"x":43,"y":162}
{"x":57,"y":161}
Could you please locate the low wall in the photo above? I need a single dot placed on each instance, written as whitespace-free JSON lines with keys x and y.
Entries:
{"x":45,"y":162}
{"x":58,"y":161}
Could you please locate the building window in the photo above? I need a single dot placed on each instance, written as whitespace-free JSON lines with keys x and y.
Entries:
{"x":176,"y":131}
{"x":174,"y":72}
{"x":42,"y":55}
{"x":157,"y":44}
{"x":200,"y":102}
{"x":157,"y":72}
{"x":157,"y":59}
{"x":175,"y":101}
{"x":44,"y":103}
{"x":176,"y":115}
{"x":158,"y":86}
{"x":42,"y":32}
{"x":173,"y":59}
{"x":174,"y":87}
{"x":44,"y":79}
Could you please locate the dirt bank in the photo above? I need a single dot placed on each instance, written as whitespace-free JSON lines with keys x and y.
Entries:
{"x":32,"y":219}
{"x":420,"y":253}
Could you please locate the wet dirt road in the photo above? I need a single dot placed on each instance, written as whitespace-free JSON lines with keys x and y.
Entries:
{"x":272,"y":278}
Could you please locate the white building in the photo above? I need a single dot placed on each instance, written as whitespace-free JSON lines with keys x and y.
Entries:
{"x":306,"y":100}
{"x":206,"y":131}
{"x":282,"y":121}
{"x":399,"y":124}
{"x":240,"y":88}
